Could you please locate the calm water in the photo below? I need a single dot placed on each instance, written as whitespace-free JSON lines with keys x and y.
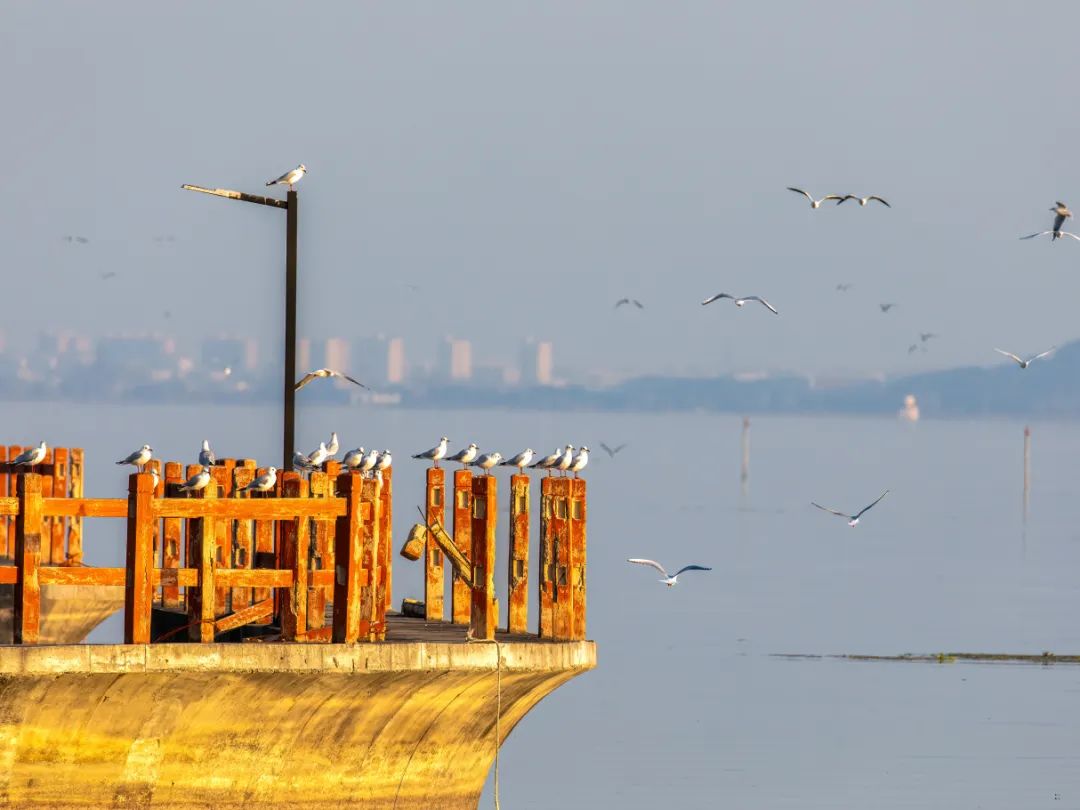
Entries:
{"x":688,"y":708}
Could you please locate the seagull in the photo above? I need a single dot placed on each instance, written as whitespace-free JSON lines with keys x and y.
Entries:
{"x":487,"y":461}
{"x":300,"y":461}
{"x":333,"y":445}
{"x":853,"y":520}
{"x":844,"y":287}
{"x":353,"y":459}
{"x":198,"y":481}
{"x":669,"y":579}
{"x":563,"y":464}
{"x":814,"y":203}
{"x":384,"y":460}
{"x":547,"y":462}
{"x":580,"y":460}
{"x":612,"y":451}
{"x":863,"y":200}
{"x":107,"y":275}
{"x":1061,"y":213}
{"x":206,"y":455}
{"x":318,"y":456}
{"x":1025,"y":363}
{"x":886,"y":307}
{"x":925,"y":336}
{"x":913,"y":347}
{"x":290,"y":178}
{"x":633,"y":301}
{"x":465,"y":456}
{"x":1053,"y":235}
{"x":31,"y":457}
{"x":740,"y":301}
{"x":264,"y":483}
{"x":323,"y":373}
{"x":139,"y":458}
{"x":521,"y":460}
{"x":435,"y":453}
{"x":369,"y":462}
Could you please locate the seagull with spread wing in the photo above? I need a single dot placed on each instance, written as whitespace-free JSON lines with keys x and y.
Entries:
{"x":853,"y":520}
{"x":1025,"y":363}
{"x":814,"y":203}
{"x":612,"y":451}
{"x":323,"y":373}
{"x":669,"y":579}
{"x":740,"y":301}
{"x":1053,"y":235}
{"x":863,"y":200}
{"x":886,"y":307}
{"x":633,"y":301}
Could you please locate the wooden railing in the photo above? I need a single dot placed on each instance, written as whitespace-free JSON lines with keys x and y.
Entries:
{"x":245,"y":560}
{"x":61,"y":477}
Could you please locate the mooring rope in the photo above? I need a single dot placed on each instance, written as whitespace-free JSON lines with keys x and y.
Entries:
{"x":498,"y":701}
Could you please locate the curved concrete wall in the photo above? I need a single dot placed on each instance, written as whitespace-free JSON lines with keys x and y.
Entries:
{"x":389,"y":725}
{"x":68,"y":612}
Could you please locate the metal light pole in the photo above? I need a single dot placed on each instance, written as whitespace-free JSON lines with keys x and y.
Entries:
{"x":291,"y":206}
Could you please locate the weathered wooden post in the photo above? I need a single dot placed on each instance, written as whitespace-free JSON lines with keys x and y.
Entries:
{"x":171,"y":531}
{"x":75,"y":490}
{"x":517,"y":591}
{"x":58,"y":553}
{"x":554,"y":563}
{"x":46,"y":468}
{"x":13,"y":453}
{"x":348,"y":561}
{"x":221,"y":482}
{"x":264,"y":556}
{"x":139,"y":590}
{"x":320,"y":549}
{"x":434,"y":572}
{"x":577,"y":557}
{"x":386,"y":551}
{"x":461,"y":594}
{"x":28,"y":559}
{"x":243,"y":548}
{"x":295,"y":547}
{"x":201,"y":608}
{"x":370,"y":503}
{"x":485,"y":509}
{"x":5,"y":478}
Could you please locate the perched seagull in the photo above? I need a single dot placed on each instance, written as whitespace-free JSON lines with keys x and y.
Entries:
{"x":290,"y":178}
{"x":633,"y":301}
{"x":353,"y":459}
{"x":139,"y":458}
{"x":844,"y":287}
{"x":521,"y":460}
{"x":264,"y":483}
{"x":547,"y":462}
{"x":435,"y":453}
{"x":31,"y":457}
{"x":863,"y":200}
{"x":740,"y":301}
{"x":318,"y":456}
{"x":580,"y":460}
{"x":886,"y":307}
{"x":814,"y":203}
{"x":1025,"y":363}
{"x":853,"y":520}
{"x":466,"y":456}
{"x":198,"y":481}
{"x":1053,"y":235}
{"x":612,"y":451}
{"x":669,"y":579}
{"x":324,"y":373}
{"x":384,"y":460}
{"x":487,"y":461}
{"x":300,"y":461}
{"x":1061,"y":213}
{"x":206,"y":455}
{"x":369,"y":462}
{"x":563,"y":464}
{"x":925,"y":336}
{"x":333,"y":445}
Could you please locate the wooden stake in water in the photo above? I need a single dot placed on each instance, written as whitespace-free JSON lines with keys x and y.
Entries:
{"x":744,"y":474}
{"x":1027,"y":469}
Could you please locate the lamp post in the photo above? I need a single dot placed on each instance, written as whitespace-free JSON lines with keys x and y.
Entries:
{"x":291,"y":206}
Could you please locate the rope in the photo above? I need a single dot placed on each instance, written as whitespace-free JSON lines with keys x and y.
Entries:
{"x":498,"y":701}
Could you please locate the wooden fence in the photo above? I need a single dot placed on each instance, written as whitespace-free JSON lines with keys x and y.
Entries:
{"x":61,"y":477}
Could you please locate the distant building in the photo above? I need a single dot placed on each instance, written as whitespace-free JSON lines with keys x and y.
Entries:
{"x":537,"y":362}
{"x":395,"y":361}
{"x":217,"y":353}
{"x":455,"y":359}
{"x":378,"y":360}
{"x":135,"y":358}
{"x":336,"y":354}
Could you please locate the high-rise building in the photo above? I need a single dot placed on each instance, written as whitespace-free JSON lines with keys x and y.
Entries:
{"x":378,"y":360}
{"x":236,"y":353}
{"x":395,"y":361}
{"x":537,"y":362}
{"x":455,"y":359}
{"x":336,"y":355}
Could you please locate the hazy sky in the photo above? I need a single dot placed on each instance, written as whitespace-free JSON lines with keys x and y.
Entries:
{"x":526,"y":164}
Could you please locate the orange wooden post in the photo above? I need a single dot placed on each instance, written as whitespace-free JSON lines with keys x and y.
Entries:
{"x":553,"y":541}
{"x":485,"y":509}
{"x":370,"y":503}
{"x":264,"y":556}
{"x":461,"y":594}
{"x":201,"y":599}
{"x":46,"y":521}
{"x":577,"y":557}
{"x":171,"y":533}
{"x":348,"y":556}
{"x":4,"y":479}
{"x":320,"y":531}
{"x":59,"y":488}
{"x":517,"y":591}
{"x":386,"y":551}
{"x":288,"y":486}
{"x":221,"y":480}
{"x":75,"y":524}
{"x":13,"y":453}
{"x":228,"y":464}
{"x":243,"y":552}
{"x":28,"y":559}
{"x":561,"y":547}
{"x":139,"y":591}
{"x":295,"y":547}
{"x":434,"y":572}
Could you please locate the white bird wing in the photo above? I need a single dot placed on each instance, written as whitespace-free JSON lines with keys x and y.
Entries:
{"x":761,"y":300}
{"x":311,"y":375}
{"x":879,"y":199}
{"x":1010,"y":354}
{"x":800,"y":191}
{"x":1068,"y":233}
{"x":1051,"y":350}
{"x":831,"y":511}
{"x":717,"y":297}
{"x":350,"y":379}
{"x":871,"y":506}
{"x":1033,"y":235}
{"x":692,"y":568}
{"x":651,"y":564}
{"x":826,"y":197}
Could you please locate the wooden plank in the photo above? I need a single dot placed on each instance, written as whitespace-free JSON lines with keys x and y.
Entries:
{"x":154,"y":466}
{"x":81,"y":575}
{"x":386,"y":550}
{"x":9,"y":506}
{"x":191,"y":528}
{"x":9,"y":574}
{"x":172,"y":532}
{"x":5,"y":495}
{"x":46,"y":472}
{"x":369,"y":533}
{"x":320,"y":539}
{"x":201,"y":608}
{"x":176,"y":577}
{"x":139,"y":591}
{"x":75,"y":491}
{"x":264,"y":539}
{"x":86,"y":507}
{"x":251,"y":508}
{"x":295,"y":541}
{"x":58,"y":532}
{"x":577,"y":549}
{"x":28,"y":559}
{"x":13,"y":453}
{"x":348,"y":556}
{"x":461,"y":593}
{"x":243,"y":540}
{"x":251,"y":613}
{"x":434,"y":563}
{"x":546,"y":579}
{"x":485,"y":509}
{"x":563,"y":621}
{"x":250,"y":578}
{"x":221,"y":475}
{"x":517,"y":590}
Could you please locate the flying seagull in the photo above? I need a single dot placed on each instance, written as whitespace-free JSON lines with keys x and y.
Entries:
{"x":1025,"y":363}
{"x":323,"y":373}
{"x":435,"y":453}
{"x":465,"y":456}
{"x":31,"y":457}
{"x":521,"y":460}
{"x":263,"y":483}
{"x":925,"y":336}
{"x":487,"y":461}
{"x":844,"y":287}
{"x":206,"y":455}
{"x":863,"y":200}
{"x":1053,"y":235}
{"x":669,"y":579}
{"x":814,"y":203}
{"x":886,"y":307}
{"x":580,"y":460}
{"x":198,"y":481}
{"x":139,"y":458}
{"x":107,"y":275}
{"x":913,"y":347}
{"x":633,"y":301}
{"x":740,"y":301}
{"x":853,"y":520}
{"x":1061,"y":213}
{"x":290,"y":178}
{"x":612,"y":451}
